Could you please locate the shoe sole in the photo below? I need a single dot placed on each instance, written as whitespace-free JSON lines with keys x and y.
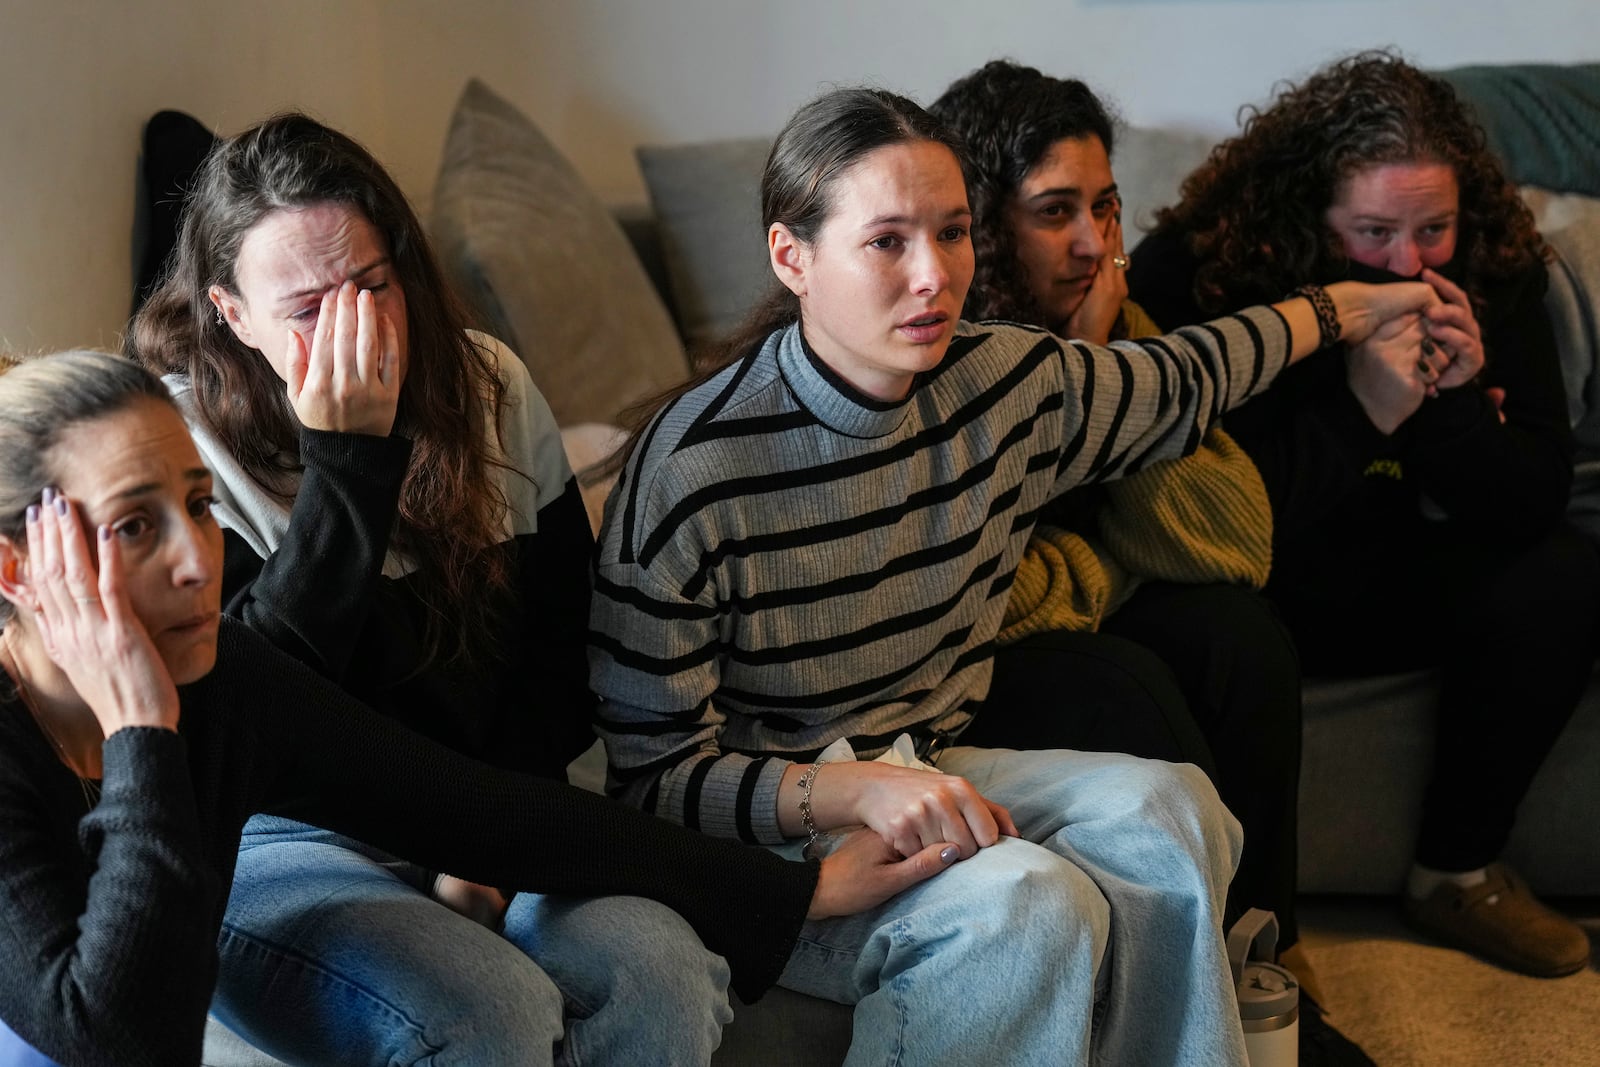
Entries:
{"x":1564,"y":971}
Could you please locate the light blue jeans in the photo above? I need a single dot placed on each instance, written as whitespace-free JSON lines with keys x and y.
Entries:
{"x":333,"y":952}
{"x":1118,"y":879}
{"x":15,"y":1052}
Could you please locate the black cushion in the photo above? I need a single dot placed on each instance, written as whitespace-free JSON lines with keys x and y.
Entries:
{"x":174,"y":146}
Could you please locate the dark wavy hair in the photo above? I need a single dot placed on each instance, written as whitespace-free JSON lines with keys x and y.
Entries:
{"x":822,"y":141}
{"x":1253,"y":212}
{"x":1008,"y":116}
{"x":450,"y":510}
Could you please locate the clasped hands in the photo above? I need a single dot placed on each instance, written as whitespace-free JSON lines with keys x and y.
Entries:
{"x":916,"y":824}
{"x":1411,"y":357}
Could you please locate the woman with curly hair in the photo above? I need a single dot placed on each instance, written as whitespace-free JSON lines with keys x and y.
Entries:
{"x":1418,"y":518}
{"x":1180,"y":549}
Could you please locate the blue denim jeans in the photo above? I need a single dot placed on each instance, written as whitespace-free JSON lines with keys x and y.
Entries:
{"x":333,"y":952}
{"x":1117,"y":881}
{"x":15,"y":1052}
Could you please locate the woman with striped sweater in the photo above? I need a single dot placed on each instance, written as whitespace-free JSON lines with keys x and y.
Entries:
{"x":808,"y":555}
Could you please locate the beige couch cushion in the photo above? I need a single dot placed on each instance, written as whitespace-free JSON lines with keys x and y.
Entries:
{"x":546,"y":267}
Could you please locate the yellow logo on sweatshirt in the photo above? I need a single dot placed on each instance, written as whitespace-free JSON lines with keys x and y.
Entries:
{"x":1384,"y":468}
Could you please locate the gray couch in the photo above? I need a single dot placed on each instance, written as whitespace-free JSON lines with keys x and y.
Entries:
{"x":515,"y":225}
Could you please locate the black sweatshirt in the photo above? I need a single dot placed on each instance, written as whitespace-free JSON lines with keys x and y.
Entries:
{"x":1342,"y":489}
{"x":108,"y":921}
{"x":319,"y":579}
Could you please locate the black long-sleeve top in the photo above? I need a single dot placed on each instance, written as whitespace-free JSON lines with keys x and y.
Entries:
{"x":319,"y":580}
{"x":108,"y":920}
{"x":1340,"y":488}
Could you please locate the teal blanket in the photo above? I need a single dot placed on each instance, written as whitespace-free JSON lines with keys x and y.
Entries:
{"x":1543,"y":120}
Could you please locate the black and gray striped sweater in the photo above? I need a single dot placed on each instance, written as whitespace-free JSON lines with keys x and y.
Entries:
{"x":785,"y":562}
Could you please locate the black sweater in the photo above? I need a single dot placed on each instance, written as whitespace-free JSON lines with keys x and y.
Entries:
{"x":321,"y":583}
{"x":1341,"y":489}
{"x":108,"y":921}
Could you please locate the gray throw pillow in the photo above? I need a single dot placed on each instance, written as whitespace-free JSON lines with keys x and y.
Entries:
{"x":1150,"y":164}
{"x":546,"y":267}
{"x":706,"y":198}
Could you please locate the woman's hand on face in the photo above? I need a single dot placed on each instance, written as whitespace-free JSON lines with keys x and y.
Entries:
{"x":1103,"y":302}
{"x":864,"y":871}
{"x":350,"y":380}
{"x":1363,"y":308}
{"x":912,"y":809}
{"x":1389,"y":374}
{"x":1453,"y":327}
{"x":88,"y":626}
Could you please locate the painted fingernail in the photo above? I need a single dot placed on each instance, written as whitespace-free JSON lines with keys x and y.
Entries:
{"x":1427,"y":346}
{"x":33,"y":513}
{"x":949,"y":854}
{"x":61,"y":505}
{"x":47,"y":495}
{"x":105,"y":532}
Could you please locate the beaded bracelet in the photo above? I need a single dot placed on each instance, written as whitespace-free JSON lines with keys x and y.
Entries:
{"x":1327,"y":315}
{"x":808,"y":823}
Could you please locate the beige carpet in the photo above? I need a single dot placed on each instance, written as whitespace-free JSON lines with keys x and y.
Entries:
{"x":1413,"y":1004}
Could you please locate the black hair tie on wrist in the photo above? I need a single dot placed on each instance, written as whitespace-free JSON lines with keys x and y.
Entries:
{"x":1327,"y":314}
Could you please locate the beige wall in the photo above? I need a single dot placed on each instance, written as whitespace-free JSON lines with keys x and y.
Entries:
{"x":77,"y":81}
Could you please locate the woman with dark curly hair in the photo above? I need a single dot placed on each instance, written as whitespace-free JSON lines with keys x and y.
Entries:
{"x":1047,"y":238}
{"x":1418,"y":514}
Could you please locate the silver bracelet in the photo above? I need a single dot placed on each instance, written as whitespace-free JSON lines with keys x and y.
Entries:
{"x":808,"y":823}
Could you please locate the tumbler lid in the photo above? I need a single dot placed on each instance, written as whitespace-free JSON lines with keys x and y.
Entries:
{"x":1266,"y":990}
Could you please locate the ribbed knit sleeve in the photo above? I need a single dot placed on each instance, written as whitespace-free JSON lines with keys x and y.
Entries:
{"x":109,"y":945}
{"x":786,"y":562}
{"x":1143,"y":401}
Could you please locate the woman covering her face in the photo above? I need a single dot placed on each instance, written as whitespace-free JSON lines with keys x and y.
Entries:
{"x":802,"y":572}
{"x":398,"y":514}
{"x":138,"y":732}
{"x":1419,"y":478}
{"x":1152,"y":578}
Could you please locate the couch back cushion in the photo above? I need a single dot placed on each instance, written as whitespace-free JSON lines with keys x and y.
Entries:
{"x":707,"y":202}
{"x":1150,"y":164}
{"x":545,"y":267}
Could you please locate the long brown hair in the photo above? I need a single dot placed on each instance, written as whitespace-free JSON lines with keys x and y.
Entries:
{"x":450,"y":508}
{"x":817,"y":145}
{"x":1253,"y":213}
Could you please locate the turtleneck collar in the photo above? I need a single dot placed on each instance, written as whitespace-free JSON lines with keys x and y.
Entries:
{"x":836,"y":403}
{"x":1360,"y":272}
